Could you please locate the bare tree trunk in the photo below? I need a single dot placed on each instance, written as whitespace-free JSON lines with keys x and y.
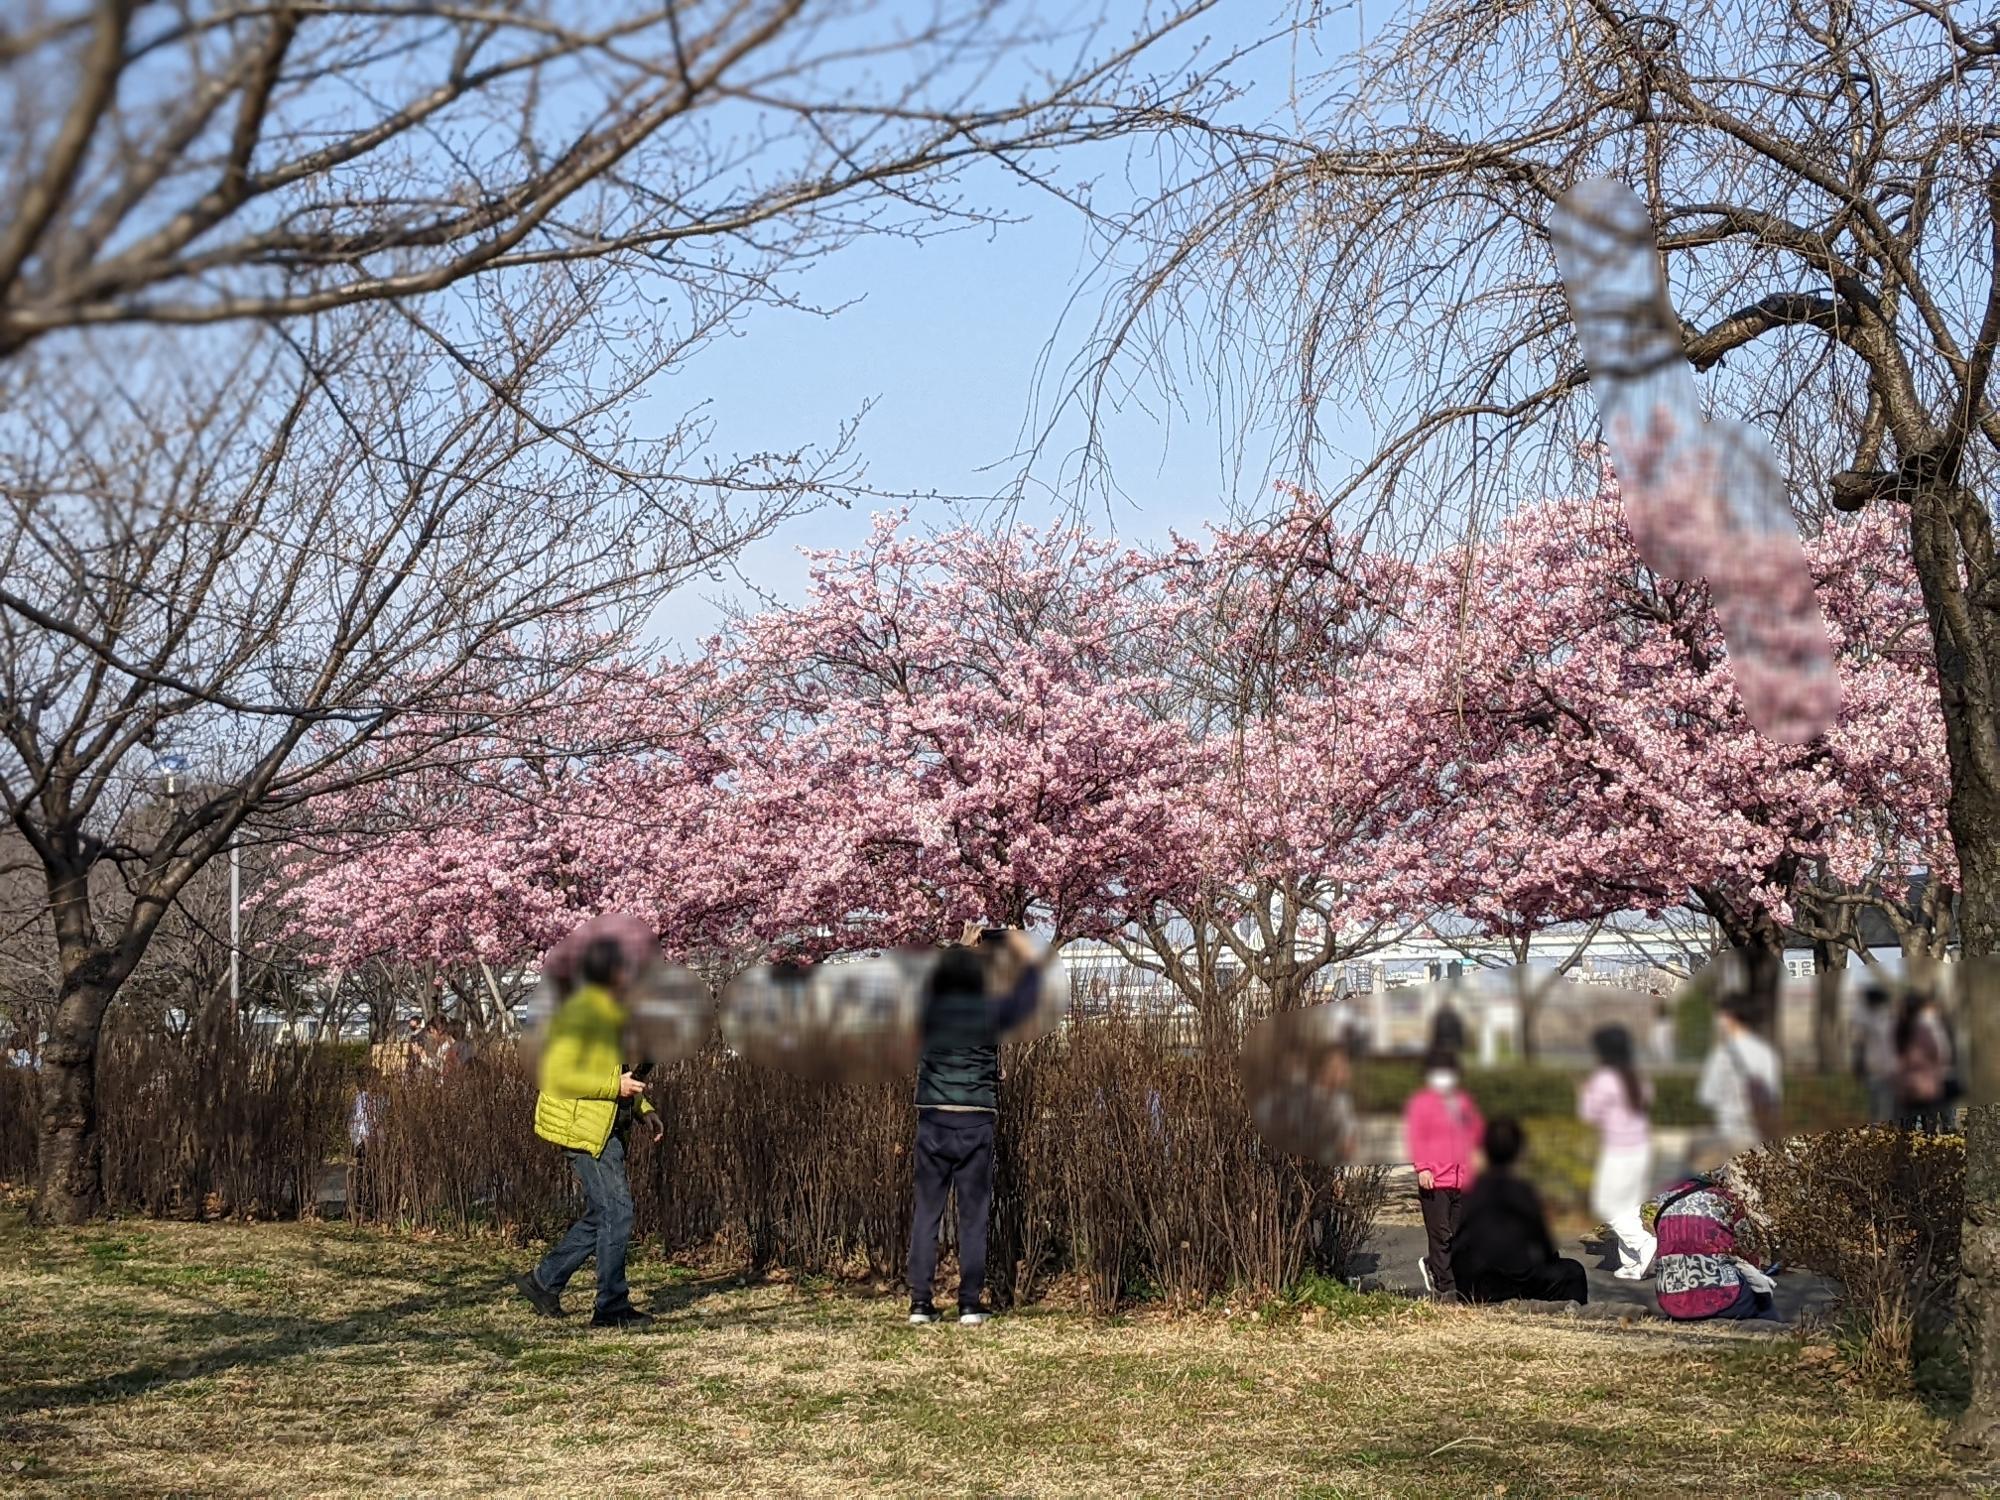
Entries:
{"x":71,"y":1186}
{"x":1529,"y":995}
{"x":1965,"y":630}
{"x":1764,"y":969}
{"x":1976,"y":831}
{"x":1829,"y":977}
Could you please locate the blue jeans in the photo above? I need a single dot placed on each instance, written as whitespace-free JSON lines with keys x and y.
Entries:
{"x":604,"y":1230}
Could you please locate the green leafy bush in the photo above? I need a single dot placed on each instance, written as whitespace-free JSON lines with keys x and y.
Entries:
{"x":1543,"y":1091}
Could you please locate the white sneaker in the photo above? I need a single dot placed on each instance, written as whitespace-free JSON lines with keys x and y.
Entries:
{"x":1424,"y":1270}
{"x":971,"y":1319}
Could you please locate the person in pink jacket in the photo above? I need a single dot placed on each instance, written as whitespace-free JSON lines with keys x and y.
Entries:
{"x":1441,"y":1129}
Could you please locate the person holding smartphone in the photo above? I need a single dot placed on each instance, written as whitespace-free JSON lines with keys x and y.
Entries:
{"x":983,"y":986}
{"x":587,"y":1100}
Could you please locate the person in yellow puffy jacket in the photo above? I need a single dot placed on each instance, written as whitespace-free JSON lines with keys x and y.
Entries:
{"x":587,"y":1102}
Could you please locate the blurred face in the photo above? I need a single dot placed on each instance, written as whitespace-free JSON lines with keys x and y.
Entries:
{"x":1333,"y":1069}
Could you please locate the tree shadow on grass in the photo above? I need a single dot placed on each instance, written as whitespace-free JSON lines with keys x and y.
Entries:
{"x":249,"y":1340}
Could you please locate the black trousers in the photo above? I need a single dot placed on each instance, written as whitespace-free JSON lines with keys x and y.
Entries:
{"x":1558,"y":1281}
{"x":954,"y":1151}
{"x":1441,"y":1208}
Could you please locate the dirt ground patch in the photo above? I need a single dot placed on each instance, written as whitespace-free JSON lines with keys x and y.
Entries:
{"x":147,"y":1358}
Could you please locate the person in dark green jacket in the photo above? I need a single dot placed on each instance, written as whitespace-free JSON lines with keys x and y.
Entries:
{"x":587,"y":1102}
{"x":972,"y":999}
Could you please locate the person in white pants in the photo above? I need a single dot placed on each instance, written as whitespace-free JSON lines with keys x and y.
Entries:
{"x":1616,"y":1100}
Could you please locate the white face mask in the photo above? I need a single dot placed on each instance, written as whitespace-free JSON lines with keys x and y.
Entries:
{"x":1441,"y":1079}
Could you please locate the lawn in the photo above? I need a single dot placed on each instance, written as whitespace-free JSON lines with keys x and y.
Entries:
{"x":152,"y":1358}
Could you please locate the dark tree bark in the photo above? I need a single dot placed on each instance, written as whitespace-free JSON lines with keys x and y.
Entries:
{"x":1829,"y":976}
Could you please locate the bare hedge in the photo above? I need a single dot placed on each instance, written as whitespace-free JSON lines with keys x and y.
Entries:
{"x":1120,"y":1161}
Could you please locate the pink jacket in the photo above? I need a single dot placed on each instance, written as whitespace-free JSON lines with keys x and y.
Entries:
{"x":1441,"y":1131}
{"x":1603,"y":1103}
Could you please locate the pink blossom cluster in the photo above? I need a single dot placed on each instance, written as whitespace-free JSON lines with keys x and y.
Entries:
{"x":1043,"y":728}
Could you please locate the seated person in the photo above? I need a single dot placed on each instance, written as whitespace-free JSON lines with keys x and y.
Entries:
{"x":1700,"y":1274}
{"x":1502,"y":1251}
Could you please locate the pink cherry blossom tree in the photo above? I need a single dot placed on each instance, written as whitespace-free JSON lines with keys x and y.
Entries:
{"x":1592,"y":755}
{"x":1264,"y":636}
{"x":945,"y":729}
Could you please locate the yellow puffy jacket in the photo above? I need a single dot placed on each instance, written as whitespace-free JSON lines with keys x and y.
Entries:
{"x":581,"y":1060}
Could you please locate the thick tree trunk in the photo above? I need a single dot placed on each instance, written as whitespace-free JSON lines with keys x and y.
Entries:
{"x":1952,"y":544}
{"x":1761,"y":949}
{"x":1978,"y":1429}
{"x":71,"y":1169}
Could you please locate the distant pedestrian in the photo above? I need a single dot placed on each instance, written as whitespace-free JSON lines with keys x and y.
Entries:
{"x":1923,"y":1065}
{"x":1447,"y":1031}
{"x":435,"y":1046}
{"x":1741,"y":1082}
{"x":1875,"y":1061}
{"x":363,"y":1124}
{"x":1616,"y":1100}
{"x":1503,"y":1251}
{"x":1441,"y":1131}
{"x":1663,"y":1048}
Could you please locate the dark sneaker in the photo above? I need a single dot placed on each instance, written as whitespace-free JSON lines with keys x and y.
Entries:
{"x":547,"y":1303}
{"x":621,"y":1317}
{"x":923,"y":1312}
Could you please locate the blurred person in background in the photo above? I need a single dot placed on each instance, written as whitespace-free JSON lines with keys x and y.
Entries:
{"x":1447,"y":1031}
{"x":1503,"y":1251}
{"x":1616,"y":1102}
{"x":584,"y":1082}
{"x":1310,"y":1107}
{"x":978,"y":991}
{"x":1441,"y":1131}
{"x":363,"y":1121}
{"x":1934,"y":1016}
{"x":1663,"y":1045}
{"x":1741,"y":1082}
{"x":457,"y":1051}
{"x":434,"y":1047}
{"x":1875,"y":1054}
{"x":1923,"y":1065}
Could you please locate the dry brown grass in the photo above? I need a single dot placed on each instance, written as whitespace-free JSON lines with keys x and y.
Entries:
{"x":153,"y":1358}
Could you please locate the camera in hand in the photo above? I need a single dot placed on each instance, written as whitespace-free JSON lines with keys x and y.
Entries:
{"x":992,"y":936}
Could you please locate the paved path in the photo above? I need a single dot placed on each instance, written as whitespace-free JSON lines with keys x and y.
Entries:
{"x":1390,"y":1262}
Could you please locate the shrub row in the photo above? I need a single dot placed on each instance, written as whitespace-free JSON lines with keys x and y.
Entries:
{"x":1121,"y":1163}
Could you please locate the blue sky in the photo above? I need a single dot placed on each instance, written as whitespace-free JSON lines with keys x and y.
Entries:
{"x":954,"y":340}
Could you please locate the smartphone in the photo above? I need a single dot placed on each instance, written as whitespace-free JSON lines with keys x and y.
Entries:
{"x":644,"y":1070}
{"x":992,"y":935}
